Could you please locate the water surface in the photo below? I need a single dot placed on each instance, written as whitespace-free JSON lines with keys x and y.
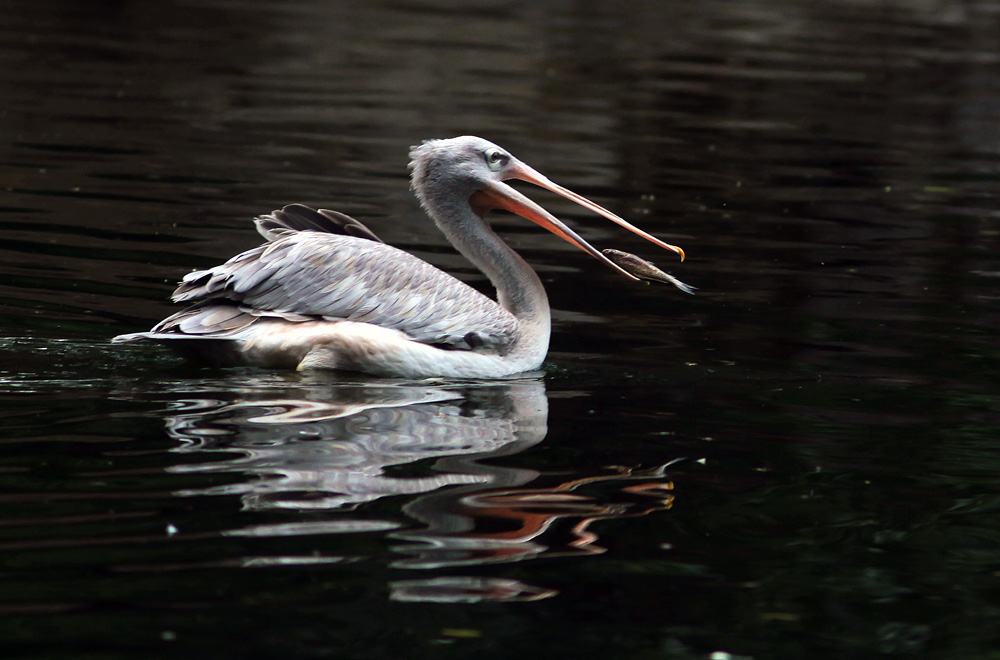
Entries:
{"x":799,"y":461}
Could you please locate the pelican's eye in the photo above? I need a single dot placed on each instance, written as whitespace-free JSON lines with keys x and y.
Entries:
{"x":496,"y":159}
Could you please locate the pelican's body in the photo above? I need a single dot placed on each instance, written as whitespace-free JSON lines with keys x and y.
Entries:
{"x":325,"y":293}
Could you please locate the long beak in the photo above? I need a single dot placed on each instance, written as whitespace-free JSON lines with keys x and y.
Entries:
{"x":500,"y":195}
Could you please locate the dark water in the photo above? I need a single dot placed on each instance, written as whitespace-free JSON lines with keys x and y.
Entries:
{"x":799,"y":462}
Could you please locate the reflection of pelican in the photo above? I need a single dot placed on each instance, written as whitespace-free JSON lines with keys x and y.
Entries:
{"x":326,"y":293}
{"x":340,"y":447}
{"x":526,"y":516}
{"x":333,"y":450}
{"x":467,"y":590}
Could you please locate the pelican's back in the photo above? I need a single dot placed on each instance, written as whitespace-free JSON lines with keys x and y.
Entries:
{"x":326,"y":266}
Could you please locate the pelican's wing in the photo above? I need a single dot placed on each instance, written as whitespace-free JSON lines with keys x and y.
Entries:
{"x":306,"y":275}
{"x":299,"y":217}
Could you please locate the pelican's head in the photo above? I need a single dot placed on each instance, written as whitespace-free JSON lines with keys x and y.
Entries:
{"x":450,"y":176}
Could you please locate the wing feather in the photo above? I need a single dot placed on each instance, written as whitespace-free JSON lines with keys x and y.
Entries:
{"x":309,"y":275}
{"x":298,"y":217}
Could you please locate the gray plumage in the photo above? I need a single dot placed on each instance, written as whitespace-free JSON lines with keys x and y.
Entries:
{"x":308,"y":274}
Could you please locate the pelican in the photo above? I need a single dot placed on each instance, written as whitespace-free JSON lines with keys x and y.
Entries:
{"x":325,"y":293}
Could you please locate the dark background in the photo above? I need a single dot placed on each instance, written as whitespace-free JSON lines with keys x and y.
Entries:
{"x":800,"y":461}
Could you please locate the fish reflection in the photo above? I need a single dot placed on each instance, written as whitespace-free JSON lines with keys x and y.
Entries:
{"x":341,"y":446}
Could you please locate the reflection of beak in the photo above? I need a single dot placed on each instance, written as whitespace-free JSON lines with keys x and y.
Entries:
{"x":498,"y":195}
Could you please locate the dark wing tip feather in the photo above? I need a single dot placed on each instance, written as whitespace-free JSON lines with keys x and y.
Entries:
{"x":298,"y":217}
{"x":348,"y":225}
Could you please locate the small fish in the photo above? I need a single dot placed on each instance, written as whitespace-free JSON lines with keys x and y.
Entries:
{"x":644,"y":269}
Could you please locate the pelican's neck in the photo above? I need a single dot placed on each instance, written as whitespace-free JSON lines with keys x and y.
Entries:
{"x":519,"y":290}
